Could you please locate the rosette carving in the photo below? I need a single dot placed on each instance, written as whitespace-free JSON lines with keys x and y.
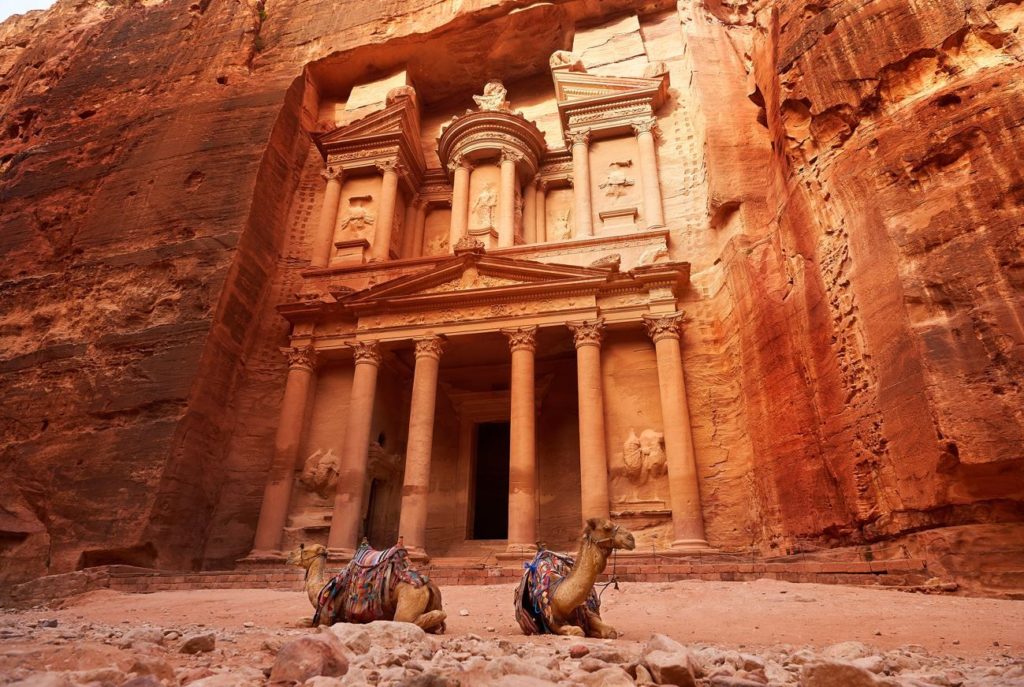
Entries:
{"x":665,"y":326}
{"x":587,"y":333}
{"x":521,"y":338}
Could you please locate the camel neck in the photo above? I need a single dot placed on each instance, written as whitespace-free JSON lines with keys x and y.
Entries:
{"x":315,"y":572}
{"x":590,"y":562}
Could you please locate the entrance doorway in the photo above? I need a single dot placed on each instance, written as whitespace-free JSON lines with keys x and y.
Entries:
{"x":490,"y":487}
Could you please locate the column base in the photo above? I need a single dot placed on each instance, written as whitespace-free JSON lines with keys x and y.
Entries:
{"x":341,"y":555}
{"x":269,"y":557}
{"x":517,"y":552}
{"x":417,"y":554}
{"x":694,"y":545}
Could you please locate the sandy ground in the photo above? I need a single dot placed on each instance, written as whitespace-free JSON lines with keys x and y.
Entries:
{"x":733,"y":614}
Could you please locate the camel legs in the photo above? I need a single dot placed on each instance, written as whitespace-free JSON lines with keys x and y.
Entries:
{"x":599,"y":628}
{"x":412,"y":602}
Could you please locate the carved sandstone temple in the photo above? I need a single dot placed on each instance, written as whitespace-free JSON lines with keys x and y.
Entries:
{"x":488,"y":317}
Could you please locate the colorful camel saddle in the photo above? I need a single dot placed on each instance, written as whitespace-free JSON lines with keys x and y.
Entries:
{"x":536,"y":588}
{"x":365,"y":590}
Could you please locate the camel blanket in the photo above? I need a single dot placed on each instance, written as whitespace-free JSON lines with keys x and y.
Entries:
{"x":534,"y":591}
{"x":365,"y":590}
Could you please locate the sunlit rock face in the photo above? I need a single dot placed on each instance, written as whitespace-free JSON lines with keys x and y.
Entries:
{"x":841,"y":177}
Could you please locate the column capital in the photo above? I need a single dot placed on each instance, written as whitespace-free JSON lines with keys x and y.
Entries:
{"x":385,"y":166}
{"x":645,"y":126}
{"x":301,"y":358}
{"x":429,"y":347}
{"x":510,"y":155}
{"x":331,"y":172}
{"x":366,"y":352}
{"x":459,"y":161}
{"x":667,"y":326}
{"x":521,"y":338}
{"x":577,"y":138}
{"x":587,"y":332}
{"x":541,"y":184}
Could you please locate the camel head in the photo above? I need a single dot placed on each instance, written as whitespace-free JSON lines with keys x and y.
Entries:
{"x":305,"y":555}
{"x":607,"y":535}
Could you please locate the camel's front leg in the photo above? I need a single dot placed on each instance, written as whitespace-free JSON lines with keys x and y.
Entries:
{"x":599,"y":628}
{"x":412,"y":602}
{"x":566,"y":630}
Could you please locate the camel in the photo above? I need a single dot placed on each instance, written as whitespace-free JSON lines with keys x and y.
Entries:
{"x":556,"y":594}
{"x":407,"y":603}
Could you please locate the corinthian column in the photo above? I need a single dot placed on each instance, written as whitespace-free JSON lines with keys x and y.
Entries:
{"x":418,"y":227}
{"x":645,"y":131}
{"x":323,"y":240}
{"x":460,"y":168}
{"x":522,"y":482}
{"x":542,"y":210}
{"x":684,"y":490}
{"x":278,"y":491}
{"x":412,"y":524}
{"x":507,"y":199}
{"x":348,"y":501}
{"x":593,"y":451}
{"x":580,"y":144}
{"x":530,"y":213}
{"x":381,"y":249}
{"x":409,"y":227}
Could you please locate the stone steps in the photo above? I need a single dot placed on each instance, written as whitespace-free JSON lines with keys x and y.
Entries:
{"x":903,"y":572}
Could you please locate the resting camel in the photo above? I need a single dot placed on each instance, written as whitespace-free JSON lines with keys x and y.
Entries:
{"x":402,"y":601}
{"x":556,"y":594}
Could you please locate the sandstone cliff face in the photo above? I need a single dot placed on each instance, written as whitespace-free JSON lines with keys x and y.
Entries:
{"x":850,"y":198}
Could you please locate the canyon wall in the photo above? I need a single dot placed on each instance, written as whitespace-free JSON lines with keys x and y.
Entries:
{"x":842,"y":176}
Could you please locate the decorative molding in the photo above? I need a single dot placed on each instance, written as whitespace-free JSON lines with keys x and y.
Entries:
{"x":331,"y":172}
{"x":521,"y":338}
{"x":667,"y":326}
{"x":587,"y":333}
{"x":468,"y":244}
{"x":302,"y":358}
{"x":366,"y":352}
{"x":577,"y":138}
{"x":429,"y":347}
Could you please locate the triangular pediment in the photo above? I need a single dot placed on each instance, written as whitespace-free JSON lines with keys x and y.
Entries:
{"x":571,"y":86}
{"x":475,"y":273}
{"x":397,"y":118}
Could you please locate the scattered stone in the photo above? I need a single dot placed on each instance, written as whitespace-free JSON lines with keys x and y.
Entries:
{"x":306,"y":657}
{"x":200,"y":643}
{"x":873,"y":664}
{"x":52,"y":622}
{"x":672,"y":667}
{"x":578,"y":650}
{"x":355,"y":639}
{"x":463,"y":612}
{"x":611,"y":676}
{"x":643,"y":676}
{"x":142,"y":635}
{"x":43,"y":680}
{"x":143,"y":681}
{"x":248,"y":623}
{"x":591,"y":664}
{"x":151,"y":665}
{"x":835,"y":674}
{"x":513,"y":665}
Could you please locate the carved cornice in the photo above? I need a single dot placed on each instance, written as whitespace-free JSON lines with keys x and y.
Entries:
{"x":301,"y":358}
{"x":429,"y":347}
{"x":521,"y":338}
{"x":330,"y":172}
{"x":587,"y":333}
{"x":366,"y":352}
{"x":667,"y":326}
{"x":577,"y":138}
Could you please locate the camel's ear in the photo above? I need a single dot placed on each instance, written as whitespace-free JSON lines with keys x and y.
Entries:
{"x":302,"y":546}
{"x":593,"y":523}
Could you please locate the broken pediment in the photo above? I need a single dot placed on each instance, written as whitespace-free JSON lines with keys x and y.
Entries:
{"x":606,"y":102}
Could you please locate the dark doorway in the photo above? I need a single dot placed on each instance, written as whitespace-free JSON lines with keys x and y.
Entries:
{"x":490,"y":509}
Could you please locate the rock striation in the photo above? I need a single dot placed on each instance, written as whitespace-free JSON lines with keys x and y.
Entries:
{"x":842,"y":176}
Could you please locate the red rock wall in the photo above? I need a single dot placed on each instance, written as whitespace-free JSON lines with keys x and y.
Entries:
{"x":856,"y":361}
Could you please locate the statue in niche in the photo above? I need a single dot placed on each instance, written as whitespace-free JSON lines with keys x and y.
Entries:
{"x":484,"y":206}
{"x":320,"y":472}
{"x":437,"y":245}
{"x":358,"y":218}
{"x":644,"y":456}
{"x":616,"y":181}
{"x":493,"y":97}
{"x":563,"y":225}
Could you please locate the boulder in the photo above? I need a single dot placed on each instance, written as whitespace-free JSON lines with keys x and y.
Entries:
{"x":199,"y":643}
{"x":672,"y":667}
{"x":835,"y":674}
{"x":612,"y":676}
{"x":306,"y":657}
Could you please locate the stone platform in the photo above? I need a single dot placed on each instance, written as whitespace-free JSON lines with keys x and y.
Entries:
{"x":902,"y":573}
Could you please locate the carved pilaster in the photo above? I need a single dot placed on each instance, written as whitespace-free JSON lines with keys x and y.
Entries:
{"x":577,"y":138}
{"x":429,"y":347}
{"x":669,"y":325}
{"x":587,"y":333}
{"x":521,"y":338}
{"x":541,"y":184}
{"x":366,"y":352}
{"x":302,"y":357}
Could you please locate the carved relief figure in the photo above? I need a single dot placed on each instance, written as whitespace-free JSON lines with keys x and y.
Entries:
{"x":437,"y":245}
{"x":652,"y":255}
{"x":358,"y":218}
{"x":320,"y":472}
{"x":563,"y":225}
{"x":493,"y":97}
{"x":616,"y":181}
{"x":483,"y":207}
{"x":644,"y":456}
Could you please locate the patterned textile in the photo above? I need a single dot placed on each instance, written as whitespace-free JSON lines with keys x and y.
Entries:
{"x":534,"y":591}
{"x":365,"y":590}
